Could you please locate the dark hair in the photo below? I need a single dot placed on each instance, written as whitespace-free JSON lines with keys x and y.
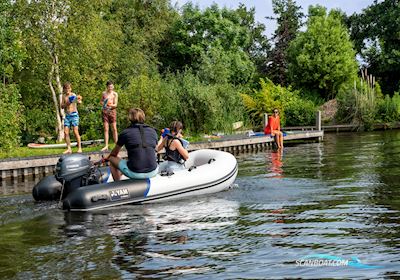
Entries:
{"x":175,"y":126}
{"x":65,"y":86}
{"x":109,"y":82}
{"x":136,"y":115}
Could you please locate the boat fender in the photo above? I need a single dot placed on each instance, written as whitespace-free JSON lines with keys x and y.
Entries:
{"x":211,"y":160}
{"x":192,"y":167}
{"x":96,"y":198}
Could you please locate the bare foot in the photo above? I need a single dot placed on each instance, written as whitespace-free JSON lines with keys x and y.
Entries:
{"x":68,"y":151}
{"x":105,"y":149}
{"x":79,"y":150}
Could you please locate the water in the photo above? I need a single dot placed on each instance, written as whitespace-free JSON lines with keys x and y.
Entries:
{"x":340,"y":197}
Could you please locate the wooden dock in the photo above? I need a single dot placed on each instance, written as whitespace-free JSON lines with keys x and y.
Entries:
{"x":37,"y":167}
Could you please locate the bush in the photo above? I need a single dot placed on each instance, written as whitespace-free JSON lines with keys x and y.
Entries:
{"x":300,"y":112}
{"x":12,"y":118}
{"x":201,"y":107}
{"x":389,"y":108}
{"x":294,"y":111}
{"x":358,"y":104}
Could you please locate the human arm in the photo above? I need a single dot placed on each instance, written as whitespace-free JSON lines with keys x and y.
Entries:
{"x":64,"y":102}
{"x":113,"y":106}
{"x":279,"y":123}
{"x":161,"y":144}
{"x":114,"y":152}
{"x":178,"y":146}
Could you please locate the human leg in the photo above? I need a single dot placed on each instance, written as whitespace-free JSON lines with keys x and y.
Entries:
{"x":106,"y":129}
{"x":280,"y":139}
{"x":116,"y":173}
{"x":114,"y":132}
{"x":78,"y":138}
{"x":67,"y":140}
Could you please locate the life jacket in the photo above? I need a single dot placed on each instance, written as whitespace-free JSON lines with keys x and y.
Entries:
{"x":173,"y":155}
{"x":140,"y":140}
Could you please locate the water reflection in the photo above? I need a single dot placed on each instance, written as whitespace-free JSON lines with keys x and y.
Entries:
{"x":276,"y":163}
{"x":148,"y":239}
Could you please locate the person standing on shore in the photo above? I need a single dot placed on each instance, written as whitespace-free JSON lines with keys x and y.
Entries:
{"x":109,"y":101}
{"x":69,"y":104}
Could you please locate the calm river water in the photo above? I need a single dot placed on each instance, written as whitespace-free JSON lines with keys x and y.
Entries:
{"x":339,"y":199}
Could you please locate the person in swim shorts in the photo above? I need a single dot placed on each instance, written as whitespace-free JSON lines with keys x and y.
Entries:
{"x":109,"y":101}
{"x":69,"y":104}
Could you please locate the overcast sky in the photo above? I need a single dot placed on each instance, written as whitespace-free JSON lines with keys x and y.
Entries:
{"x":264,"y":7}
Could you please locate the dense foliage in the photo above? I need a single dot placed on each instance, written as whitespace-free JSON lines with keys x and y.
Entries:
{"x":188,"y":63}
{"x":376,"y":33}
{"x":293,"y":109}
{"x":322,"y":58}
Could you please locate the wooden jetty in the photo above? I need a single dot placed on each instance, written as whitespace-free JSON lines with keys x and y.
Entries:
{"x":37,"y":167}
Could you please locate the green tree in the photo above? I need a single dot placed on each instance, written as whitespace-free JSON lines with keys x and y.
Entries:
{"x":12,"y":52}
{"x":376,"y":33}
{"x":322,"y":58}
{"x":142,"y":26}
{"x":289,"y":20}
{"x":61,"y":48}
{"x":12,"y":118}
{"x":215,"y":35}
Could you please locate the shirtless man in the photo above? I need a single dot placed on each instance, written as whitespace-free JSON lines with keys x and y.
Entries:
{"x":109,"y":101}
{"x":69,"y":104}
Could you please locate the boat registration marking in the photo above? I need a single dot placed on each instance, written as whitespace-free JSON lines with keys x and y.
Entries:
{"x":119,"y":194}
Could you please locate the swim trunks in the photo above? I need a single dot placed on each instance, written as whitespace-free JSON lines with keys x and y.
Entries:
{"x":110,"y":115}
{"x":71,"y":119}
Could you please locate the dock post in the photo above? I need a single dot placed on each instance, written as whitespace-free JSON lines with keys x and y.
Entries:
{"x":318,"y":121}
{"x":265,"y":120}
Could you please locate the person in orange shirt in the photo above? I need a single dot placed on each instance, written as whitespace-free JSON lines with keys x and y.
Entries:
{"x":274,"y":128}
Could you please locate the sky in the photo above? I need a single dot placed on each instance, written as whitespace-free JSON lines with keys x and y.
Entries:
{"x":264,"y":7}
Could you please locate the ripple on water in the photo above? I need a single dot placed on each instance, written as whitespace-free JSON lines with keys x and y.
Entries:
{"x":340,"y":197}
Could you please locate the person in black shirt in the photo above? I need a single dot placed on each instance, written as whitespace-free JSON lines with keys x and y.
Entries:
{"x":140,"y":141}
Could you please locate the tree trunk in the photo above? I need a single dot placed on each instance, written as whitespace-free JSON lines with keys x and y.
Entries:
{"x":58,"y":82}
{"x":57,"y":105}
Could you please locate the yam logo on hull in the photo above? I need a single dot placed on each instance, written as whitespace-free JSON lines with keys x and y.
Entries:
{"x":119,"y":194}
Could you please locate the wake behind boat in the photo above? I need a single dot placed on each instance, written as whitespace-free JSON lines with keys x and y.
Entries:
{"x":87,"y":187}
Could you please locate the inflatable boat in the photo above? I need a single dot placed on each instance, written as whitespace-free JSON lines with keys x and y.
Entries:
{"x":82,"y":186}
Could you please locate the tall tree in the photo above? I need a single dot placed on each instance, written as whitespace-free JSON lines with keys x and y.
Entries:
{"x":12,"y":51}
{"x":289,"y":20}
{"x":62,"y":48}
{"x":228,"y":37}
{"x":322,"y":58}
{"x":376,"y":33}
{"x":142,"y":25}
{"x":12,"y":54}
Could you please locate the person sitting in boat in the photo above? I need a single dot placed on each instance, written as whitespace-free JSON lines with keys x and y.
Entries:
{"x":140,"y":141}
{"x":274,"y":128}
{"x":175,"y":151}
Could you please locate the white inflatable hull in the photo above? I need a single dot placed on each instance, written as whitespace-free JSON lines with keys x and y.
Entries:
{"x":207,"y":171}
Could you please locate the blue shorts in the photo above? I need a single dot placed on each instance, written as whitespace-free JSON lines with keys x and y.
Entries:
{"x":134,"y":175}
{"x":71,"y":119}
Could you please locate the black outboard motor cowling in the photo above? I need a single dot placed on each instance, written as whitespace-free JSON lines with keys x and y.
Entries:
{"x":74,"y":171}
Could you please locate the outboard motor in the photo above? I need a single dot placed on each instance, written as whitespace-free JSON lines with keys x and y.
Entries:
{"x":75,"y":171}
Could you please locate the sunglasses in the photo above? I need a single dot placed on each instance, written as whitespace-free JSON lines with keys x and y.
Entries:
{"x":276,"y":112}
